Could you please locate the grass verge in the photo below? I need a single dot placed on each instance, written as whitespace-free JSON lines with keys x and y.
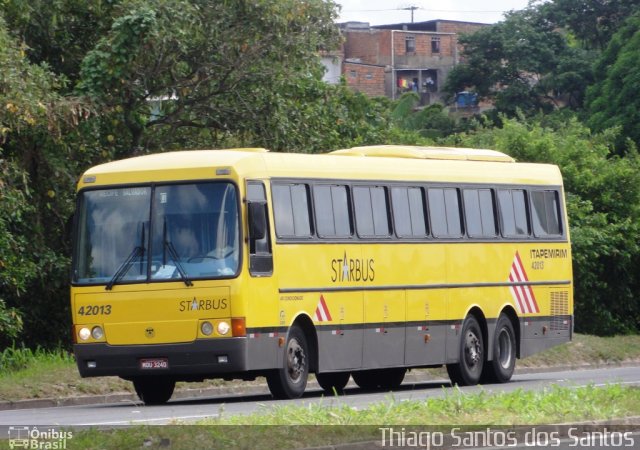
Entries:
{"x":27,"y":374}
{"x":324,"y":424}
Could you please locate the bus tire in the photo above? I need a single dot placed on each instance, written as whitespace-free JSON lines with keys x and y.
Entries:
{"x":390,"y":379}
{"x":333,"y":382}
{"x":365,"y":379}
{"x":386,"y":379}
{"x":154,"y":390}
{"x":501,"y":367}
{"x":468,"y":370}
{"x":290,"y":381}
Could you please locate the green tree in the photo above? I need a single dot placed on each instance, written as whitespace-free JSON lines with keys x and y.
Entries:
{"x":29,"y":110}
{"x":202,"y":65}
{"x":157,"y":75}
{"x":613,"y":100}
{"x":59,"y":32}
{"x":593,"y":22}
{"x":313,"y":116}
{"x":431,"y":122}
{"x":522,"y":63}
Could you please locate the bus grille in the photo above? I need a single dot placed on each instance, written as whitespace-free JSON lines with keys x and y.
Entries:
{"x":560,"y":310}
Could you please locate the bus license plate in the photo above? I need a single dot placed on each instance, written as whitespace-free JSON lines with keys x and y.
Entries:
{"x":155,"y":363}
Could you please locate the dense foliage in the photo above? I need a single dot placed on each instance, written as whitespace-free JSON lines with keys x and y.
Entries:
{"x":83,"y":82}
{"x":592,"y":22}
{"x":613,"y":99}
{"x":523,"y":63}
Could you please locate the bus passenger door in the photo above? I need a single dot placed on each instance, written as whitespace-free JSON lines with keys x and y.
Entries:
{"x":259,"y":289}
{"x":260,"y":255}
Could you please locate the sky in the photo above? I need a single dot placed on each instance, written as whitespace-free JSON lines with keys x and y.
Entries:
{"x":379,"y":12}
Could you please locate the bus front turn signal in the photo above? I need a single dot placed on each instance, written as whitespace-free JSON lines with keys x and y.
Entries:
{"x":238,"y":326}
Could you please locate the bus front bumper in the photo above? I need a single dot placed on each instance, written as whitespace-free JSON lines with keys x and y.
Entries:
{"x":199,"y":358}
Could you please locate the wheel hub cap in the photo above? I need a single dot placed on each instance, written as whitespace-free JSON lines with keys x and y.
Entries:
{"x":473,"y":349}
{"x":296,"y":360}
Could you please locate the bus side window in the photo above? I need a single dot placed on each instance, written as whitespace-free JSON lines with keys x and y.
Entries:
{"x":409,"y":212}
{"x":260,"y":257}
{"x":444,"y":211}
{"x":513,"y":213}
{"x":291,"y":212}
{"x":331,"y":205}
{"x":371,"y":211}
{"x":545,"y":213}
{"x":479,"y":213}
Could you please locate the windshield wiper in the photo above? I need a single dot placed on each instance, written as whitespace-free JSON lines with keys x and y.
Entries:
{"x":138,"y":251}
{"x":167,"y":245}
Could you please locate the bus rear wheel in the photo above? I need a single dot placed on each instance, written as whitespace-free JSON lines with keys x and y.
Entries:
{"x":385,"y":379}
{"x":468,"y":370}
{"x":154,"y":390}
{"x":290,"y":380}
{"x":500,"y":368}
{"x":333,"y":382}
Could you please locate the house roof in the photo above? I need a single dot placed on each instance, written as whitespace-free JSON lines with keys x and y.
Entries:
{"x":429,"y":25}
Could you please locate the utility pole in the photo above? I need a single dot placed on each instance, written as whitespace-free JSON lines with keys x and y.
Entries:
{"x":412,"y":9}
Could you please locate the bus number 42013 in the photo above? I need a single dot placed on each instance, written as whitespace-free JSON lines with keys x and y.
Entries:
{"x":537,"y":265}
{"x":94,"y":310}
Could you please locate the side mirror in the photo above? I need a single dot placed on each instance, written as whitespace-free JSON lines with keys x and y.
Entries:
{"x":257,"y":221}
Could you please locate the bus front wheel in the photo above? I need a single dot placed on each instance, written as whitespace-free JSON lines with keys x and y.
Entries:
{"x":154,"y":390}
{"x":468,"y":370}
{"x":290,"y":380}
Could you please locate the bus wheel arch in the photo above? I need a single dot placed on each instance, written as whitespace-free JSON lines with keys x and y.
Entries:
{"x":305,"y":323}
{"x":298,"y":360}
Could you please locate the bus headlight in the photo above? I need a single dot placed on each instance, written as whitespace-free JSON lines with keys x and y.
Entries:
{"x":206,"y":328}
{"x":223,"y":328}
{"x":84,"y":334}
{"x":97,"y":333}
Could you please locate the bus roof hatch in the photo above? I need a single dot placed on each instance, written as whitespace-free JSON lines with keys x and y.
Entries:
{"x":408,"y":151}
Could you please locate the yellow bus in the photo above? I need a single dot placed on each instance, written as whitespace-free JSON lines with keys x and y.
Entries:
{"x":363,"y":263}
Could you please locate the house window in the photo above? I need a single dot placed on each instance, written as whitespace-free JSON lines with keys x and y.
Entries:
{"x":369,"y":76}
{"x":435,"y":45}
{"x":353,"y":74}
{"x":410,"y":44}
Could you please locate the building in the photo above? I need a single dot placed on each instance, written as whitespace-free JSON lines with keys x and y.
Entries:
{"x":392,"y":59}
{"x":332,"y":62}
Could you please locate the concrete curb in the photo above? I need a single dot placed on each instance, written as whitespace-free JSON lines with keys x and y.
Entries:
{"x":182,"y":394}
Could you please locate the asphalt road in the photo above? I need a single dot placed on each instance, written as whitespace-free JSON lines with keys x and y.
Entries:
{"x":189,"y":410}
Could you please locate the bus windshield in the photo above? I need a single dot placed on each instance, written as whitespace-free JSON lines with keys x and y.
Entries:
{"x":176,"y":232}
